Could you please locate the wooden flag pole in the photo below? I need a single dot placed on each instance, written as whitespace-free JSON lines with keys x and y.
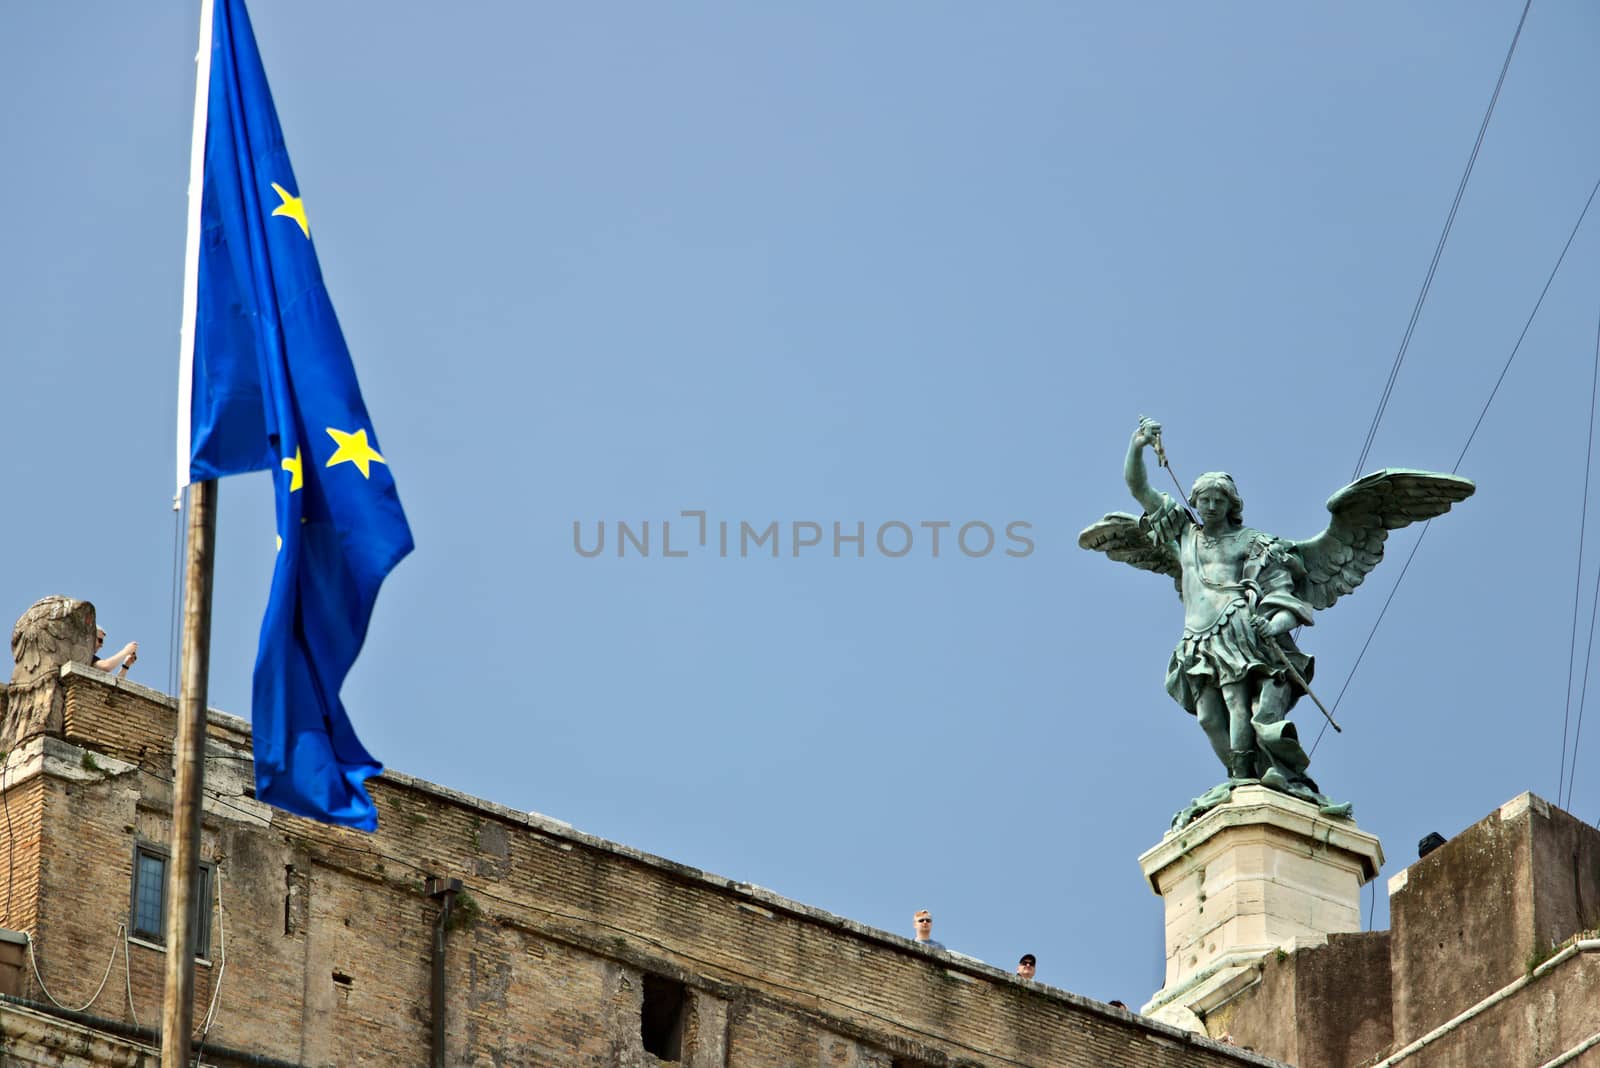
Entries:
{"x":177,"y":1007}
{"x":189,"y":750}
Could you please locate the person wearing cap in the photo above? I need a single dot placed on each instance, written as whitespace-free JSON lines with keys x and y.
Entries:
{"x":1027,"y":965}
{"x":922,"y":922}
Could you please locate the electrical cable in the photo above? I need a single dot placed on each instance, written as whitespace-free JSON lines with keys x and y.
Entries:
{"x":5,"y":804}
{"x":127,"y":976}
{"x":173,"y":621}
{"x":1572,"y":644}
{"x":35,"y":961}
{"x":222,"y":966}
{"x":1583,"y":695}
{"x":1427,"y":282}
{"x":122,"y":929}
{"x":1526,"y":326}
{"x":1494,"y":392}
{"x":11,"y":839}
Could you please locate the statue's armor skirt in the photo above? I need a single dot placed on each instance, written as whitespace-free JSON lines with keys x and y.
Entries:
{"x":1226,"y":652}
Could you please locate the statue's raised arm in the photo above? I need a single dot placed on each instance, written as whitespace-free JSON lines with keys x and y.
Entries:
{"x":1237,"y":668}
{"x":1149,"y":542}
{"x":1133,"y":469}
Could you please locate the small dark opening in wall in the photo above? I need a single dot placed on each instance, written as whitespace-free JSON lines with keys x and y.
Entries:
{"x":661,"y":1017}
{"x":341,"y":978}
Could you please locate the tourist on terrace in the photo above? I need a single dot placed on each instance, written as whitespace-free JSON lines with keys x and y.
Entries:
{"x":922,"y":920}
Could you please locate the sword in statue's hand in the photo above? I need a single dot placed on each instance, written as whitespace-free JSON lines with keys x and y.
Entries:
{"x":1161,"y":458}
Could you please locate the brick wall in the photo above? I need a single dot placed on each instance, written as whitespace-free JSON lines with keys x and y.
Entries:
{"x":329,"y":933}
{"x":21,"y":816}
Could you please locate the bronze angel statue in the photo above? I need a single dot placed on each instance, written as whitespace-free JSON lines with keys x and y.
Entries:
{"x":1237,"y":668}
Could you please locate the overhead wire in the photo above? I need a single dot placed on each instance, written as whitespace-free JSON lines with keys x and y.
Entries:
{"x":1588,"y":655}
{"x":1577,"y":586}
{"x":1494,"y":392}
{"x":1583,"y":695}
{"x":1438,"y":251}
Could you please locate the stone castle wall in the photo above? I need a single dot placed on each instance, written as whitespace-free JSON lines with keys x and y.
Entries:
{"x":1492,"y":959}
{"x":559,"y":939}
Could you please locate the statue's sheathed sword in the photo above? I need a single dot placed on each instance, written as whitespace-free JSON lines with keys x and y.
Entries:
{"x":1300,"y":680}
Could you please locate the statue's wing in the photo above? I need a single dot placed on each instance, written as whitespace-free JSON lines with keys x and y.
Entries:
{"x":47,"y":635}
{"x":1123,"y":538}
{"x":1337,"y":560}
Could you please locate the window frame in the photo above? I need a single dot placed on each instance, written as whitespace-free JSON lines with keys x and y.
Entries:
{"x":201,"y":927}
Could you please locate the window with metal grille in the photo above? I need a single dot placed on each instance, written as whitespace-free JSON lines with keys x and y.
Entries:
{"x":148,"y":912}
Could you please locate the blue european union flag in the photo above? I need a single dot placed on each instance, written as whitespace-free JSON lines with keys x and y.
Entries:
{"x":273,"y":387}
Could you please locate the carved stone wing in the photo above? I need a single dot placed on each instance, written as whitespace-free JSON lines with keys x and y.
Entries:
{"x":56,"y":629}
{"x":1122,"y":537}
{"x":1339,"y":559}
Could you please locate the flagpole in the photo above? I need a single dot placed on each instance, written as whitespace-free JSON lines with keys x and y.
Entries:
{"x":177,"y":1007}
{"x":191,"y":248}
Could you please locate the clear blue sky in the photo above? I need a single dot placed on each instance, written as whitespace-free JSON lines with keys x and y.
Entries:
{"x":895,"y":262}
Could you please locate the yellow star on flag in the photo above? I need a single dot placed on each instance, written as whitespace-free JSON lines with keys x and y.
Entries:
{"x":295,"y":469}
{"x":292,"y":207}
{"x":353,"y":448}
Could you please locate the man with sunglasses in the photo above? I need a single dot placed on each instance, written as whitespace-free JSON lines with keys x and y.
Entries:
{"x":922,"y":921}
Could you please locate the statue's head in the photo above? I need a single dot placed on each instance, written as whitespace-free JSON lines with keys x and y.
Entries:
{"x":1219,"y":482}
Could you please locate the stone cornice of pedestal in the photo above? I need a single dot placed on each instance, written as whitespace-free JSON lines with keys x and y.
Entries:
{"x":1201,"y":993}
{"x":1256,"y":806}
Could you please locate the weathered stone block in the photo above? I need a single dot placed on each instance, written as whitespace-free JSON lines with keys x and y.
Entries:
{"x":1474,"y":914}
{"x":1248,"y":877}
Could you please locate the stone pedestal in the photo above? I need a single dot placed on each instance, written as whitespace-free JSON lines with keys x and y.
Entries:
{"x":1261,"y":873}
